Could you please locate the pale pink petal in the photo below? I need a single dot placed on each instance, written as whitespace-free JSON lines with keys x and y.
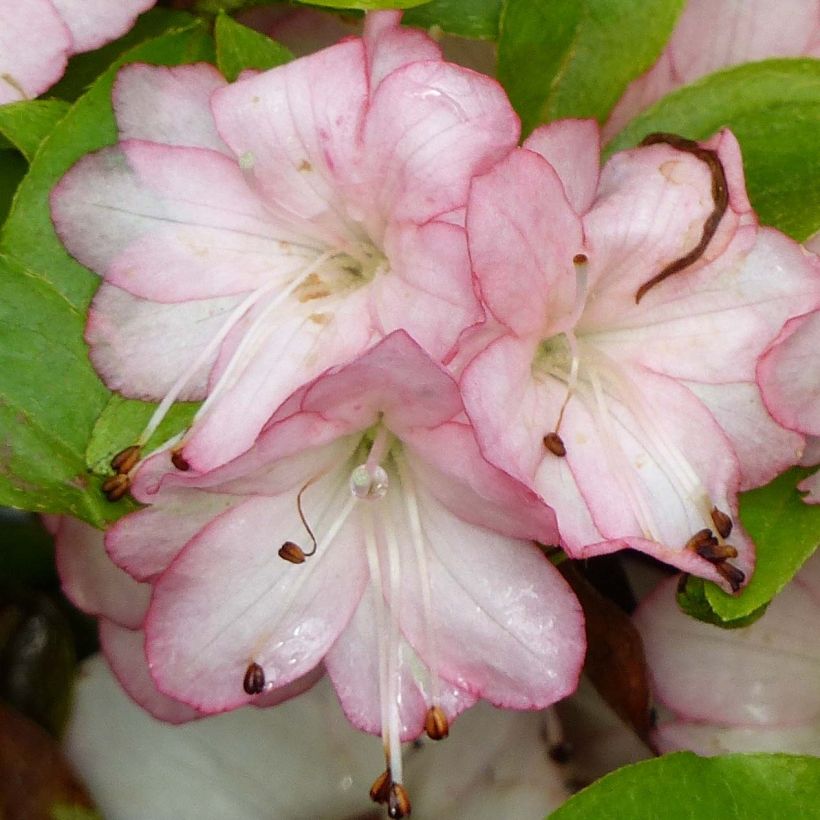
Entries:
{"x":171,"y":223}
{"x":297,"y":125}
{"x":91,"y":580}
{"x":715,"y":34}
{"x":34,"y":48}
{"x":811,"y":455}
{"x":763,"y":674}
{"x":168,"y":104}
{"x":93,"y":23}
{"x":523,"y":236}
{"x":140,"y":348}
{"x":505,"y":625}
{"x":124,"y":650}
{"x":707,"y":739}
{"x":789,"y":374}
{"x":353,"y":666}
{"x":764,"y":448}
{"x":204,"y":628}
{"x":388,"y":45}
{"x":811,"y":485}
{"x":573,"y":149}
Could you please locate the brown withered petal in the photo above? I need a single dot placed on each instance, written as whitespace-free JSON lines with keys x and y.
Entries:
{"x":555,"y":444}
{"x":115,"y":487}
{"x":723,"y":524}
{"x":126,"y":459}
{"x":178,"y":460}
{"x":292,"y":552}
{"x":398,"y":803}
{"x":254,"y":682}
{"x":436,"y":724}
{"x":733,"y":576}
{"x":380,"y":790}
{"x":702,"y":538}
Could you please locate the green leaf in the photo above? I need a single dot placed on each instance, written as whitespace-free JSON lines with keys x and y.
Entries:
{"x":367,"y":5}
{"x":238,"y":48}
{"x":574,"y":58}
{"x":468,"y":18}
{"x":28,"y":233}
{"x":26,"y":124}
{"x":773,"y":108}
{"x":13,"y":168}
{"x":84,"y":68}
{"x":683,"y":786}
{"x":693,"y":600}
{"x":786,"y":531}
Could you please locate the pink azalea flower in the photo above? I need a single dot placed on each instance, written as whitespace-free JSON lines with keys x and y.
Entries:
{"x":38,"y":36}
{"x":623,"y":387}
{"x":715,"y":34}
{"x":421,"y":591}
{"x":752,"y":689}
{"x":252,"y":235}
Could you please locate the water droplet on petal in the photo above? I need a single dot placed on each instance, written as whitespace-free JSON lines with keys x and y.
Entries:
{"x":369,"y":484}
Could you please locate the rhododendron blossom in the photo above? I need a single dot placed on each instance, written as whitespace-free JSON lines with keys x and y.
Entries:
{"x":751,"y":689}
{"x":252,"y":235}
{"x":363,"y":529}
{"x":38,"y":36}
{"x":634,"y":306}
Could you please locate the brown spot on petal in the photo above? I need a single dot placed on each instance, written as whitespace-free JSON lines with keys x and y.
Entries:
{"x":254,"y":681}
{"x":436,"y":724}
{"x":398,"y":803}
{"x":731,"y":574}
{"x":555,"y":444}
{"x":722,"y":522}
{"x":179,"y":461}
{"x":126,"y":459}
{"x":115,"y":487}
{"x":305,"y":166}
{"x":380,"y":790}
{"x":292,"y":552}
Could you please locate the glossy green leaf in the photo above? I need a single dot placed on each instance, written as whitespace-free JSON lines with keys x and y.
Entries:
{"x":28,"y":233}
{"x":468,"y":18}
{"x":26,"y":124}
{"x":367,"y":5}
{"x":574,"y":58}
{"x":239,"y":47}
{"x":683,"y":786}
{"x":773,"y":108}
{"x":693,"y":599}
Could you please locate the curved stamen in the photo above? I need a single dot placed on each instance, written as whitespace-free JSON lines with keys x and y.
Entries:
{"x":291,"y":551}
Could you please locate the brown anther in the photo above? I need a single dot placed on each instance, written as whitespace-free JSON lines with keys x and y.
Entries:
{"x":717,"y":553}
{"x":179,"y":461}
{"x":254,"y":682}
{"x":126,"y":459}
{"x":115,"y":487}
{"x":398,"y":803}
{"x":702,"y":538}
{"x":731,"y":574}
{"x":555,"y":444}
{"x":580,"y":259}
{"x":723,"y":524}
{"x":292,"y":552}
{"x":380,"y":790}
{"x":436,"y":724}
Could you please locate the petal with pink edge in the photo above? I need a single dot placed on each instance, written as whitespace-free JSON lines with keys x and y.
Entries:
{"x":503,"y":623}
{"x":91,"y":580}
{"x":34,"y":48}
{"x":168,"y":104}
{"x":763,"y":674}
{"x":93,"y":23}
{"x":204,"y":628}
{"x":573,"y":149}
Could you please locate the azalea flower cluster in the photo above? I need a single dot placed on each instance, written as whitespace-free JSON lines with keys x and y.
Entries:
{"x":421,"y":351}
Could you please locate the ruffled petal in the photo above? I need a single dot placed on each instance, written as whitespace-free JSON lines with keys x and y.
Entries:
{"x":91,"y":580}
{"x":205,"y":628}
{"x":764,"y":674}
{"x":34,"y":49}
{"x":523,"y":236}
{"x":93,"y":23}
{"x":168,"y":104}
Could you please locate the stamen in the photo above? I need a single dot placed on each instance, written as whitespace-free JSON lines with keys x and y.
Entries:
{"x":369,"y":481}
{"x":720,"y":197}
{"x":178,"y":460}
{"x":436,"y":724}
{"x":717,"y":553}
{"x":380,"y":790}
{"x":722,"y":522}
{"x":292,"y":552}
{"x":115,"y":487}
{"x":701,"y":539}
{"x":559,"y":750}
{"x":731,"y":574}
{"x":126,"y":459}
{"x":555,"y":444}
{"x":254,"y":682}
{"x":398,"y":804}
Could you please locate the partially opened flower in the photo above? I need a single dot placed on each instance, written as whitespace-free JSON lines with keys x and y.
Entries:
{"x":38,"y":36}
{"x":715,"y":34}
{"x":252,"y":235}
{"x":364,"y":529}
{"x":752,"y":689}
{"x":635,"y":306}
